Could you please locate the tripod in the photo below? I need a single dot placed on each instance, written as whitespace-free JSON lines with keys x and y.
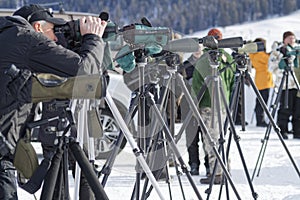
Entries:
{"x":218,"y":96}
{"x":141,"y":98}
{"x":167,"y":101}
{"x":288,"y":70}
{"x":195,"y":111}
{"x":57,"y":175}
{"x":136,"y":150}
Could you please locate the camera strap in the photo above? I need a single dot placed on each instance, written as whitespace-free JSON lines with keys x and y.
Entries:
{"x":34,"y":183}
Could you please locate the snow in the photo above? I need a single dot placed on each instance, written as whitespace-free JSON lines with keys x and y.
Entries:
{"x":278,"y":178}
{"x":270,"y":29}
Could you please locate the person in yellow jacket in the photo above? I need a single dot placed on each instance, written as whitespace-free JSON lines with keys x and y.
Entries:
{"x":263,"y":80}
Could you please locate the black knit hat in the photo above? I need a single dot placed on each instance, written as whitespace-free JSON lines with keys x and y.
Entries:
{"x":35,"y":12}
{"x":287,"y":34}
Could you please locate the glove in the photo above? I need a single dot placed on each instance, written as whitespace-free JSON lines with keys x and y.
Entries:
{"x":275,"y":46}
{"x":152,"y":48}
{"x":126,"y":59}
{"x":282,"y":64}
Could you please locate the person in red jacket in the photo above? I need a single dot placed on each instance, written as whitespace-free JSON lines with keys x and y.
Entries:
{"x":263,"y":80}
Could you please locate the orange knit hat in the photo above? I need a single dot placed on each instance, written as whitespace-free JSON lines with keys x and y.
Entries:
{"x":216,"y":33}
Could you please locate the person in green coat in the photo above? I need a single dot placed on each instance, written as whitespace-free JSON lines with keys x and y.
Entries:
{"x":203,"y":69}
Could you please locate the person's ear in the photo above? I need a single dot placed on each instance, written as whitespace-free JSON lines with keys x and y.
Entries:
{"x":37,"y":27}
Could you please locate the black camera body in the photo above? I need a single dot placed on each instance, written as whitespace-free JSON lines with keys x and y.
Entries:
{"x":72,"y":36}
{"x":70,"y":32}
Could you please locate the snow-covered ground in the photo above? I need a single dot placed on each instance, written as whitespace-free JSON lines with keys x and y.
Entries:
{"x":278,"y":178}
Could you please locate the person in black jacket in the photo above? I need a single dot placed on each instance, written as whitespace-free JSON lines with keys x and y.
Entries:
{"x":28,"y":42}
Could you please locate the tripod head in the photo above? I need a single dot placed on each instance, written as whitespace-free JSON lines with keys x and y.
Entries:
{"x":57,"y":121}
{"x":213,"y":58}
{"x":241,"y":55}
{"x":140,"y":56}
{"x":172,"y":60}
{"x":241,"y":60}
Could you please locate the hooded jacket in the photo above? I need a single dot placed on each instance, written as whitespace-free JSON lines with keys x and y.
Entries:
{"x":203,"y":70}
{"x":263,"y":77}
{"x":274,"y":60}
{"x":22,"y":46}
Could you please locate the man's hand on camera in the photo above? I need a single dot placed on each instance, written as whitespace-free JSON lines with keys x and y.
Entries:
{"x":92,"y":25}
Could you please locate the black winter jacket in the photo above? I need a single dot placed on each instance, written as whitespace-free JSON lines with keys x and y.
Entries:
{"x":22,"y":46}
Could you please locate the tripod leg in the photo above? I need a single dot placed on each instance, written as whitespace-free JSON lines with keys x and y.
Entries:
{"x":106,"y":169}
{"x":132,"y":143}
{"x":205,"y":131}
{"x":237,"y":138}
{"x":82,"y":128}
{"x":235,"y":100}
{"x":233,"y":106}
{"x":276,"y":128}
{"x":51,"y":177}
{"x":179,"y":179}
{"x":295,"y":79}
{"x":65,"y":172}
{"x":157,"y":153}
{"x":154,"y":141}
{"x":242,"y":88}
{"x":88,"y":171}
{"x":163,"y":102}
{"x":174,"y":148}
{"x":268,"y":131}
{"x":286,"y":92}
{"x":216,"y":112}
{"x":190,"y":113}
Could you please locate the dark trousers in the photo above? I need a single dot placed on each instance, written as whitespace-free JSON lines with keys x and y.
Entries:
{"x":296,"y":118}
{"x":258,"y":108}
{"x":192,"y":134}
{"x":285,"y":113}
{"x":193,"y":147}
{"x":193,"y":150}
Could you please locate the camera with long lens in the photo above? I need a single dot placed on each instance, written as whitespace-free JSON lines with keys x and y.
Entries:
{"x":72,"y":36}
{"x":289,"y":51}
{"x":140,"y":34}
{"x":240,"y":54}
{"x":143,"y":37}
{"x":289,"y":58}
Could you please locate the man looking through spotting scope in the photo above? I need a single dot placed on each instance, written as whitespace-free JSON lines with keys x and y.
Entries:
{"x":28,"y":42}
{"x":202,"y":70}
{"x":289,"y":111}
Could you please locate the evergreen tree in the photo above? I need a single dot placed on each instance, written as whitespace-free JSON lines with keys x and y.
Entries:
{"x":181,"y":15}
{"x":289,"y":6}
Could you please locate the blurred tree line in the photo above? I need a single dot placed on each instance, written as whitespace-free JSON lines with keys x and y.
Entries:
{"x":185,"y":16}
